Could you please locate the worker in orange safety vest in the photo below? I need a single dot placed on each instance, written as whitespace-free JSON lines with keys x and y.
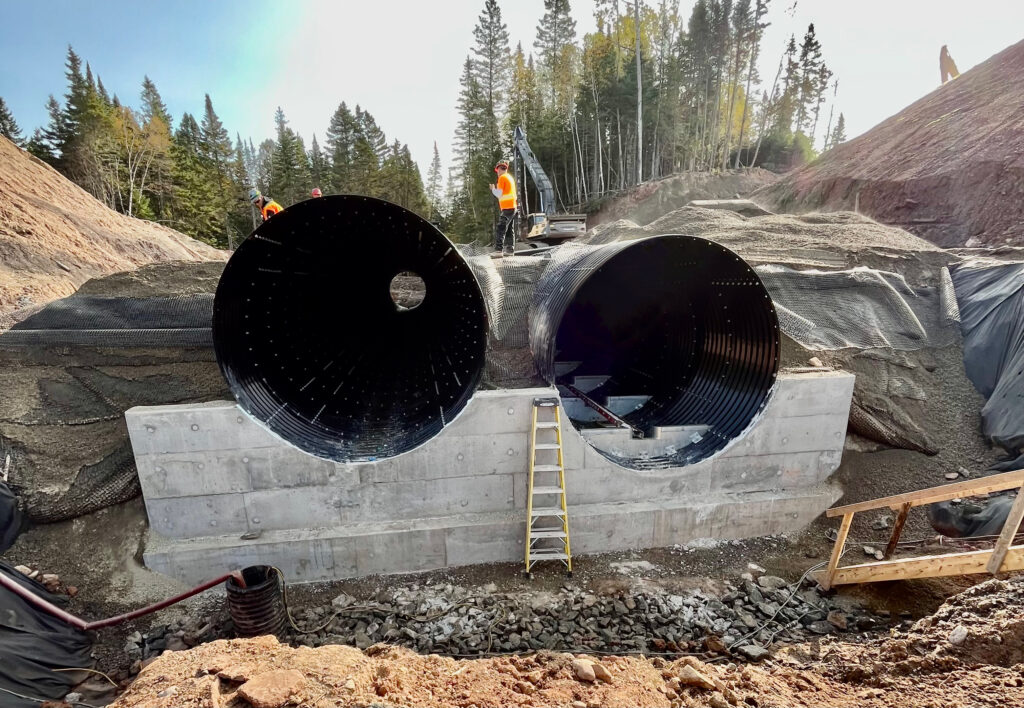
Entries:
{"x":267,"y":206}
{"x":505,"y":192}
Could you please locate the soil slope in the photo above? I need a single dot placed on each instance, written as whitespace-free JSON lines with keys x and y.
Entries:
{"x":54,"y":236}
{"x":650,"y":200}
{"x":949,"y":167}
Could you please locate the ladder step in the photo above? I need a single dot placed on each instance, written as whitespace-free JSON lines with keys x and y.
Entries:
{"x":546,"y":446}
{"x":547,"y":424}
{"x":548,"y":490}
{"x":546,"y":534}
{"x":547,"y":511}
{"x":545,"y":555}
{"x":547,"y":468}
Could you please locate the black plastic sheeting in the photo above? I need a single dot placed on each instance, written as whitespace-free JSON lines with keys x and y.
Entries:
{"x":11,"y":519}
{"x":991,"y":299}
{"x":679,"y":318}
{"x":313,"y":346}
{"x":33,"y":644}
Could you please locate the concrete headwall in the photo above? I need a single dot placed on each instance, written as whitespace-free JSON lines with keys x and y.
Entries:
{"x":223,"y":492}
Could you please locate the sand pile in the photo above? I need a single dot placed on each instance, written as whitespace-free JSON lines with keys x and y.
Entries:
{"x":949,"y":167}
{"x":54,"y":236}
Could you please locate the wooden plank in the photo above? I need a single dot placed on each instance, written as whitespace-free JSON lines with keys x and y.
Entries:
{"x":1010,"y":527}
{"x":897,"y":529}
{"x":967,"y":563}
{"x":993,"y":483}
{"x":837,"y":552}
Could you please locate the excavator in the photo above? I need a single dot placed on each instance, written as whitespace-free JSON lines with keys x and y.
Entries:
{"x":546,"y":227}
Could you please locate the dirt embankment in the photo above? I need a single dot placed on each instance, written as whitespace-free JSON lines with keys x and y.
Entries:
{"x":54,"y":236}
{"x":949,"y":167}
{"x":967,"y":653}
{"x":650,"y":200}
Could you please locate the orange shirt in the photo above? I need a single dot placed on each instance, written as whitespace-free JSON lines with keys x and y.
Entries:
{"x":271,"y":208}
{"x":507,"y":185}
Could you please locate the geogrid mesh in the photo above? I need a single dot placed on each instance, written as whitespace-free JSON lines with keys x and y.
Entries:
{"x":860,"y":308}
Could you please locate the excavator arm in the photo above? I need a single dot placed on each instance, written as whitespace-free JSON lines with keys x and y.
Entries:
{"x":545,"y":225}
{"x":537,"y":173}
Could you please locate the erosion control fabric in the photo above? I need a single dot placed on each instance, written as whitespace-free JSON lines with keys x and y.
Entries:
{"x":33,"y":644}
{"x":991,"y":296}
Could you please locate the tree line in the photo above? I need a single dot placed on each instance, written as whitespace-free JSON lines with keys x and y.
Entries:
{"x":646,"y":95}
{"x":192,"y":176}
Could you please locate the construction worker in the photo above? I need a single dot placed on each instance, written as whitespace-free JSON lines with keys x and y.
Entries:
{"x":267,"y":206}
{"x":505,"y":192}
{"x":317,"y":192}
{"x":947,"y":67}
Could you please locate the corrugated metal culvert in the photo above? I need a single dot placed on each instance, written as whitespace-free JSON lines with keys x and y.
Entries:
{"x":677,"y":320}
{"x":318,"y":342}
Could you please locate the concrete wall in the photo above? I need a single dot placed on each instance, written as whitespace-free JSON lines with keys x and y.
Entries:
{"x":210,"y":475}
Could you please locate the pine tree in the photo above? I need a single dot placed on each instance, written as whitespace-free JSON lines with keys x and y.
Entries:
{"x":152,"y":104}
{"x":372,"y":133}
{"x":434,"y":184}
{"x":473,"y":157}
{"x":46,"y":142}
{"x":810,"y":66}
{"x":88,"y":146}
{"x":242,"y":215}
{"x":523,"y":99}
{"x":10,"y":130}
{"x":556,"y":35}
{"x":319,"y":169}
{"x":838,"y":133}
{"x":289,"y":175}
{"x":490,"y":68}
{"x":214,"y":143}
{"x":156,"y":124}
{"x":196,"y":209}
{"x":102,"y":92}
{"x":341,"y":139}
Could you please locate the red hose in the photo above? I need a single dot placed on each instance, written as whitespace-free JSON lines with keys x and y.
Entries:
{"x":60,"y":614}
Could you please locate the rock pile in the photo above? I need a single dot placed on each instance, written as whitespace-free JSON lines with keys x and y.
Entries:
{"x":752,"y":614}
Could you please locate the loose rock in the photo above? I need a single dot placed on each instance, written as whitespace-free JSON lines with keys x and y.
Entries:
{"x":272,"y":689}
{"x":584,"y":670}
{"x":753,"y":652}
{"x":691,"y":677}
{"x":601,"y":672}
{"x":958,"y":636}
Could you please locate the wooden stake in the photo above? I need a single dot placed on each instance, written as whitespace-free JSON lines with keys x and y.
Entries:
{"x":837,"y":551}
{"x":1009,"y":531}
{"x":897,"y":529}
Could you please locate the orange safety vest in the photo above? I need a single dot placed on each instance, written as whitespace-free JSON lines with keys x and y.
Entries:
{"x":507,"y":185}
{"x":271,"y":208}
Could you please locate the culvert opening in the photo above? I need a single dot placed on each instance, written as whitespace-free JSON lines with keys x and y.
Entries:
{"x":315,"y":346}
{"x":407,"y":290}
{"x":674,"y":334}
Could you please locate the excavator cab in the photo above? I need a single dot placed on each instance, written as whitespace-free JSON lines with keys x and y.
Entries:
{"x":545,"y":227}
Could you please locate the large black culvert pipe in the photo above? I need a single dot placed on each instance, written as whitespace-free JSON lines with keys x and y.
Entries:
{"x":315,"y":346}
{"x":678,"y":318}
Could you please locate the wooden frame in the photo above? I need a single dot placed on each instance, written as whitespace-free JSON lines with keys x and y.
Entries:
{"x":1003,"y":557}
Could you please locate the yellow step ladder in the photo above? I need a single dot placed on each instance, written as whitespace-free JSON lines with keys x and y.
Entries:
{"x":550,"y":540}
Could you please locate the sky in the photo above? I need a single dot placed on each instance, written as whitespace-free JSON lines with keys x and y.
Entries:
{"x":401,"y":59}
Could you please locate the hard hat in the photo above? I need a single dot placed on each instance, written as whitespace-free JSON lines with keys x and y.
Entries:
{"x":502,"y":164}
{"x":317,"y":192}
{"x":254,"y":195}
